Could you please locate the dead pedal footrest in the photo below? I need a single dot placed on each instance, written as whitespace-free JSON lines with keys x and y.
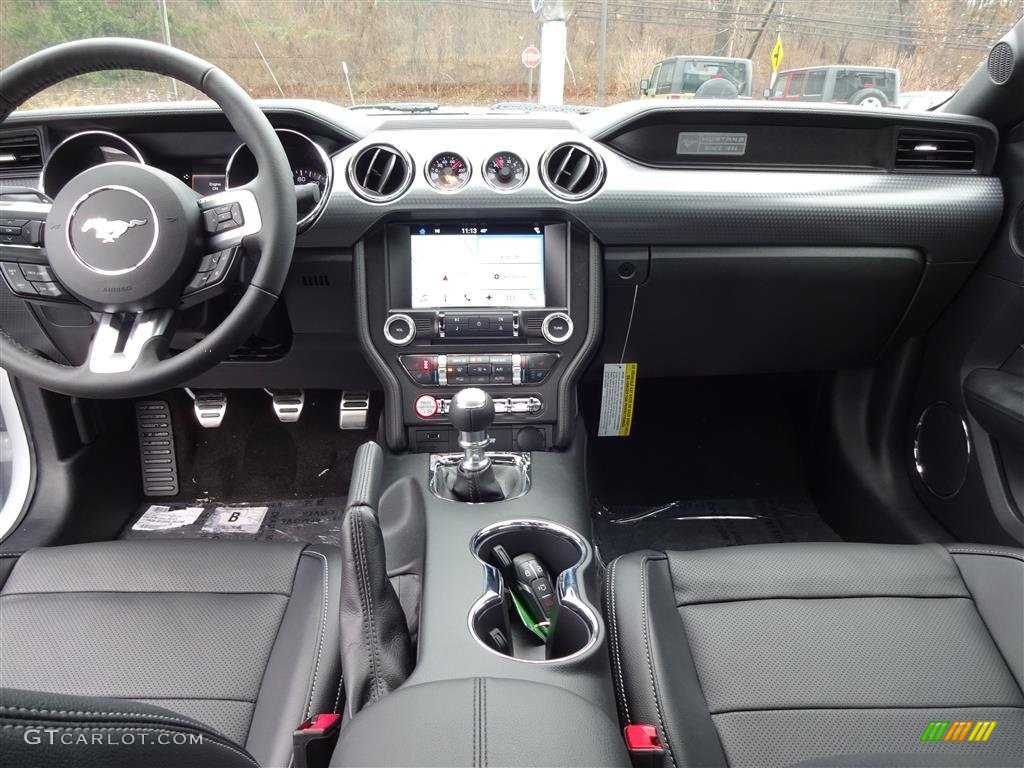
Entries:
{"x":156,"y":448}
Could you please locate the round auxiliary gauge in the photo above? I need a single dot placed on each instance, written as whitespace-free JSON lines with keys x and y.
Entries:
{"x":448,"y":172}
{"x":505,"y":170}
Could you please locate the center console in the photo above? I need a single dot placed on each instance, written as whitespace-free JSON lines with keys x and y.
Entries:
{"x":511,"y":307}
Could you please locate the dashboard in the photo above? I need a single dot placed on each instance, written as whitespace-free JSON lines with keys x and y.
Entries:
{"x":529,"y":249}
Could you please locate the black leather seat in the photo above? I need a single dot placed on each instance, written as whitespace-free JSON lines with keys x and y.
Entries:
{"x":822,"y":654}
{"x":228,"y":645}
{"x":241,"y":637}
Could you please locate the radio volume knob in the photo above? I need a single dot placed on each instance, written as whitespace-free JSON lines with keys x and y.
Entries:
{"x":556,"y":328}
{"x":399,"y":330}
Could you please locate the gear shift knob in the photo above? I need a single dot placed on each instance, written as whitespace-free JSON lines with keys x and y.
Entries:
{"x":471,"y":410}
{"x":472,"y":413}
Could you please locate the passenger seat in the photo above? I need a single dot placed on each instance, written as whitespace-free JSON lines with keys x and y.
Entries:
{"x":823,"y":654}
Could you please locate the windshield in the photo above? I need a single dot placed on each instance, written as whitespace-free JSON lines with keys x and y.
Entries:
{"x":420,"y":56}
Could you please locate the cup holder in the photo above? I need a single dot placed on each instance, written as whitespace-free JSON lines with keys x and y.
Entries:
{"x":574,"y":627}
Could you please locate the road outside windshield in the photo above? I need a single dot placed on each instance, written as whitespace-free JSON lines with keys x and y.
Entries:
{"x":376,"y":54}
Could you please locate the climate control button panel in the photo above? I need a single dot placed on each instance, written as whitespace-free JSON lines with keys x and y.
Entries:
{"x":504,"y":369}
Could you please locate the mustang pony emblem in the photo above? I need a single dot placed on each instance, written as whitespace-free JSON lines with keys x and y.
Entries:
{"x":107,"y":231}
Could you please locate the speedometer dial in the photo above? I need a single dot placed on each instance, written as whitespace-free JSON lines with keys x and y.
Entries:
{"x":309,"y":165}
{"x":505,"y":170}
{"x":448,"y":172}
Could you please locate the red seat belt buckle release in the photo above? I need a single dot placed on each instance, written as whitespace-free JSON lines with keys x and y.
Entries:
{"x":313,"y":741}
{"x":644,"y":746}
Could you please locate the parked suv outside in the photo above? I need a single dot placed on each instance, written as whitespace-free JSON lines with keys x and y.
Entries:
{"x":682,"y":77}
{"x":864,"y":86}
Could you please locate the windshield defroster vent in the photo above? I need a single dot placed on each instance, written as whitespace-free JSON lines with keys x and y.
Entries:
{"x":380,"y":173}
{"x":572,"y":171}
{"x":924,"y":152}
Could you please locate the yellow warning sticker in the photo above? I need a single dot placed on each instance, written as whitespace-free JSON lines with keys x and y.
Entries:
{"x":618,"y":391}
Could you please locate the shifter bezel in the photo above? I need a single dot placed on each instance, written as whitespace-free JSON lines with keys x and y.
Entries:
{"x":518,"y":460}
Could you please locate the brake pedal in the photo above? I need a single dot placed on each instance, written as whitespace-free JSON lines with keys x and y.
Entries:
{"x":210,"y":406}
{"x":287,"y":403}
{"x":156,"y":448}
{"x":353,"y":410}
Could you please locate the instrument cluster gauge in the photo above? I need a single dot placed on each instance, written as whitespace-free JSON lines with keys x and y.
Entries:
{"x":505,"y":170}
{"x":448,"y":172}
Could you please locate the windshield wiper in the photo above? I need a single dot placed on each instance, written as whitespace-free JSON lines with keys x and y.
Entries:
{"x":410,"y":107}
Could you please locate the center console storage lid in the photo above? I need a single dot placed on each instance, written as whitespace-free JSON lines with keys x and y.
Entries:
{"x":480,"y":721}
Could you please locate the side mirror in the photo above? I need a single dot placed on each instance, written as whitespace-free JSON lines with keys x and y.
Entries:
{"x":767,"y":92}
{"x":644,"y":85}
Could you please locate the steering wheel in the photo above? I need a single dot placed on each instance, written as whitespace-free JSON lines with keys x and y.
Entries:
{"x":130,"y":241}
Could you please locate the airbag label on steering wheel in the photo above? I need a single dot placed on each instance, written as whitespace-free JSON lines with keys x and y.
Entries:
{"x":618,"y":389}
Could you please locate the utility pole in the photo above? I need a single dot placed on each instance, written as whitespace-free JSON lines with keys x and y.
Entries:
{"x":167,"y":41}
{"x":602,"y":52}
{"x":768,"y":11}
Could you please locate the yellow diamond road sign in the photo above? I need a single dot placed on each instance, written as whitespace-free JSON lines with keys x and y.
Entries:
{"x":777,"y":55}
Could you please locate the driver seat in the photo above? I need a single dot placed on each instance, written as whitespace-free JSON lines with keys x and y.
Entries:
{"x":235,"y":640}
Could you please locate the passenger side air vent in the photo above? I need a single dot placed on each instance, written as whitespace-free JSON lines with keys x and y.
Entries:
{"x":20,"y":154}
{"x":923,"y":152}
{"x":380,"y":173}
{"x":572,"y":171}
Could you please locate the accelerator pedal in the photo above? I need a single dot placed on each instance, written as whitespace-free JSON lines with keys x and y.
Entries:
{"x":353,"y":410}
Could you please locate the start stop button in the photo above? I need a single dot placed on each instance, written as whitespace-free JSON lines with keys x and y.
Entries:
{"x":426,"y":406}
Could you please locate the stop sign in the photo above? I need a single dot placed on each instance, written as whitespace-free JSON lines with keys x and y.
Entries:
{"x":531,"y":57}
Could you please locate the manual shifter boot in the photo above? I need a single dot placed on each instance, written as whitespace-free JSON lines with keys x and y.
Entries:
{"x":477,"y":485}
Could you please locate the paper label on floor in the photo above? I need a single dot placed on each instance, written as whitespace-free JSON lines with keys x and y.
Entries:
{"x":618,"y":389}
{"x":235,"y":520}
{"x":159,"y":518}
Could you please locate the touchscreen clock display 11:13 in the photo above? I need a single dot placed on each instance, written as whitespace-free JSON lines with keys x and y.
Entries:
{"x":477,"y":267}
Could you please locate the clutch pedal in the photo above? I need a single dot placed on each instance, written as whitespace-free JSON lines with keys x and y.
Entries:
{"x":287,"y":403}
{"x":353,"y":410}
{"x":156,"y":448}
{"x":210,"y":406}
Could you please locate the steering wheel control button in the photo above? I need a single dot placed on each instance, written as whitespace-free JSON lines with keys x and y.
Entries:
{"x":426,"y":406}
{"x":36,"y":272}
{"x":399,"y":330}
{"x":50,"y":290}
{"x":212,"y":260}
{"x":556,"y":328}
{"x":223,"y":218}
{"x":15,"y":279}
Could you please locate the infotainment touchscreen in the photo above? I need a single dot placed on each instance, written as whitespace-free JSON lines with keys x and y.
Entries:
{"x":477,"y":266}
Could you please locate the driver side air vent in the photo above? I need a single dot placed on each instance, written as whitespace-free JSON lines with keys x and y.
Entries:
{"x":380,"y":173}
{"x":923,"y":152}
{"x":572,"y":171}
{"x":20,"y":154}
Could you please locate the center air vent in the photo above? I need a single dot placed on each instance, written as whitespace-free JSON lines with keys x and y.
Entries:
{"x":572,"y":171}
{"x":20,"y":154}
{"x":924,"y":152}
{"x":380,"y":173}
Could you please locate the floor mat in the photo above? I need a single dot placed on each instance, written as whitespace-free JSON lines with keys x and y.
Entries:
{"x":313,"y":521}
{"x":684,"y":525}
{"x":252,"y":455}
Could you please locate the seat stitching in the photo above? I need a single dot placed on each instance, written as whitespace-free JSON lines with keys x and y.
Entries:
{"x":647,"y":649}
{"x":483,"y":716}
{"x":616,"y":646}
{"x":337,"y":698}
{"x":369,"y":629}
{"x":973,"y":551}
{"x":323,"y":628}
{"x":100,"y":713}
{"x":212,"y":740}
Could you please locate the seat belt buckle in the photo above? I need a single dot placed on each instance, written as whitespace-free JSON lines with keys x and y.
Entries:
{"x":313,"y":741}
{"x":644,"y":745}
